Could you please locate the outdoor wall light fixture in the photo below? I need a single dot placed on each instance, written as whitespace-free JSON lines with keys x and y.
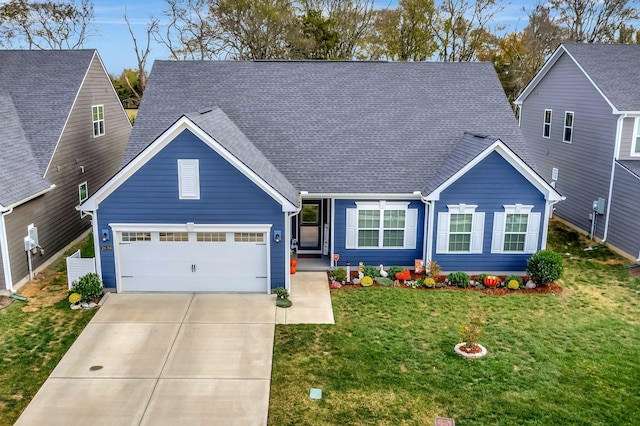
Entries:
{"x":277,"y":236}
{"x":105,"y":235}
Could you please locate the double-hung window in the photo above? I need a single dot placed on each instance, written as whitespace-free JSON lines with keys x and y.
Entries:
{"x":381,"y":225}
{"x":460,"y":230}
{"x":567,"y":135}
{"x":546,"y":128}
{"x":97,"y":113}
{"x":515,"y":230}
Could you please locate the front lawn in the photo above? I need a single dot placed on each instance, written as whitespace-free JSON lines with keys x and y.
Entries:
{"x":34,"y":335}
{"x":568,"y":358}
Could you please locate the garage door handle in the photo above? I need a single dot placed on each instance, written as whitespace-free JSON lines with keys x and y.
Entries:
{"x":262,"y":277}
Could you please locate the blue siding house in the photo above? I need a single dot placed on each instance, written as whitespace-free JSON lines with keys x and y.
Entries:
{"x":235,"y":168}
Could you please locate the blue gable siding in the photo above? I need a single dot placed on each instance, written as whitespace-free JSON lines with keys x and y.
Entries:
{"x":491,"y":184}
{"x":226,"y":197}
{"x":387,"y":257}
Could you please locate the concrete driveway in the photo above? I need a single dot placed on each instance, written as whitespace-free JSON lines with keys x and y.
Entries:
{"x":165,"y":359}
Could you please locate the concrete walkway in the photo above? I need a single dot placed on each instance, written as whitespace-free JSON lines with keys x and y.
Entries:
{"x":311,"y":301}
{"x":165,"y":359}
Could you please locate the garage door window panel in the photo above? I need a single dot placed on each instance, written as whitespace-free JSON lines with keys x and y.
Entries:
{"x":248,"y":237}
{"x":130,"y":237}
{"x":174,"y":236}
{"x":211,"y":237}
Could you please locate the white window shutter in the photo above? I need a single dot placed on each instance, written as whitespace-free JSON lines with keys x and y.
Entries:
{"x":188,"y":179}
{"x":497,"y":237}
{"x":351,"y":240}
{"x":442,"y":242}
{"x":477,"y":233}
{"x":411,"y":228}
{"x":533,"y":232}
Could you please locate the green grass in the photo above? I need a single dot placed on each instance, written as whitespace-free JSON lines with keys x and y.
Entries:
{"x":34,"y":335}
{"x":570,"y":358}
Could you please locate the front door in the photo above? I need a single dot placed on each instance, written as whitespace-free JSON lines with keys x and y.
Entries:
{"x":310,"y":225}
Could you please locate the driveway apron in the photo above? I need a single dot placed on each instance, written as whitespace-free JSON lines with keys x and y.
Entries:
{"x":165,"y":359}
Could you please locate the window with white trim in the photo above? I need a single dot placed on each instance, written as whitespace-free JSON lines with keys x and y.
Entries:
{"x":174,"y":237}
{"x":546,"y":127}
{"x":83,"y":192}
{"x":381,"y":225}
{"x":460,"y":230}
{"x":189,"y":179}
{"x":97,"y":116}
{"x":128,"y":237}
{"x":515,"y":230}
{"x":635,"y":146}
{"x":567,"y":135}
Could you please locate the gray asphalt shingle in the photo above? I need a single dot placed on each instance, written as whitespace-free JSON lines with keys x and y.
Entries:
{"x":338,"y":127}
{"x":614,"y":68}
{"x":42,"y":87}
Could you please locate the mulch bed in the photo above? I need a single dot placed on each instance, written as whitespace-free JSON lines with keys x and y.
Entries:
{"x":550,"y":288}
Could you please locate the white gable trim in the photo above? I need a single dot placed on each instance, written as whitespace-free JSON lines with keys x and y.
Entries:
{"x":525,"y":170}
{"x":159,"y":144}
{"x":547,"y":67}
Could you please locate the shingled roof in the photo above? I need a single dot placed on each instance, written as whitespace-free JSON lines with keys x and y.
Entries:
{"x":338,"y":127}
{"x":614,"y":68}
{"x":38,"y":89}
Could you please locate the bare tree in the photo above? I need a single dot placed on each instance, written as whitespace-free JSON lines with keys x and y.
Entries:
{"x":352,"y":20}
{"x":142,"y":53}
{"x":189,"y":34}
{"x":594,"y":21}
{"x":463,"y":27}
{"x":45,"y":25}
{"x":254,"y":29}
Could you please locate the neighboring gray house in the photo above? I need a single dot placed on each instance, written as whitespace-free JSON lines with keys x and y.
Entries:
{"x":63,"y":133}
{"x":581,"y":118}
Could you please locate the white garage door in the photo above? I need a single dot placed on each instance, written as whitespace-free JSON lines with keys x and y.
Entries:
{"x":179,"y":261}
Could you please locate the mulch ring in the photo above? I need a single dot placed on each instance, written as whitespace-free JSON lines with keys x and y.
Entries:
{"x":550,"y":288}
{"x":5,"y":301}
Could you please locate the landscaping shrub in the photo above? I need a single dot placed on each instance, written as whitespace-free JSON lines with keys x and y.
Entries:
{"x":514,"y":277}
{"x":429,"y":282}
{"x":471,"y":331}
{"x":339,"y":274}
{"x":544,"y":267}
{"x":434,"y":269}
{"x":459,"y":279}
{"x":393,"y":271}
{"x":384,"y":281}
{"x":417,"y":283}
{"x":89,"y":286}
{"x":481,"y":278}
{"x":371,"y":271}
{"x":281,"y":292}
{"x":366,"y":281}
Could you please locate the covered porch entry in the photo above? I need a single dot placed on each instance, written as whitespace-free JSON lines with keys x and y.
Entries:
{"x":311,"y":235}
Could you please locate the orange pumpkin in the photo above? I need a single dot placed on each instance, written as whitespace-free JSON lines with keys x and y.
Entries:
{"x":491,"y":281}
{"x":405,"y":275}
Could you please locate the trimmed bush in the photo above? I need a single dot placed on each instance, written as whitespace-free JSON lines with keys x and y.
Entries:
{"x":89,"y":286}
{"x":393,"y":270}
{"x":459,"y":279}
{"x":371,"y":271}
{"x":544,"y":267}
{"x":281,"y":292}
{"x":339,"y":274}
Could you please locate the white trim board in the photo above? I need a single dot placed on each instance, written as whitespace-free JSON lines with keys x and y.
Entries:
{"x":159,"y":144}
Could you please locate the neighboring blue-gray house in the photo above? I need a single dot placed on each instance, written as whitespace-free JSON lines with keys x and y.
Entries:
{"x":231,"y":164}
{"x":63,"y":133}
{"x":581,"y":118}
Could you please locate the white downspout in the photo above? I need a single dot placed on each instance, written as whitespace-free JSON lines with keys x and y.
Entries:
{"x":545,"y":226}
{"x":428,"y":228}
{"x":287,"y":240}
{"x":5,"y":251}
{"x":613,"y":171}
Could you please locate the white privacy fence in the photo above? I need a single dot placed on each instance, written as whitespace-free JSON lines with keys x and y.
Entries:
{"x":78,"y":266}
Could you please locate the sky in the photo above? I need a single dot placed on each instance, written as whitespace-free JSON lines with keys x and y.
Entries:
{"x":115,"y":46}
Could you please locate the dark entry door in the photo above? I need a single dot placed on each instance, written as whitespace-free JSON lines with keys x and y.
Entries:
{"x":310,"y":225}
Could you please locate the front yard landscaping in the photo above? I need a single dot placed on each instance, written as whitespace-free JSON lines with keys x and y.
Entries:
{"x":34,"y":335}
{"x":567,"y":358}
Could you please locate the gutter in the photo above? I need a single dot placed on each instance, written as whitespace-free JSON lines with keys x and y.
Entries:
{"x":31,"y":197}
